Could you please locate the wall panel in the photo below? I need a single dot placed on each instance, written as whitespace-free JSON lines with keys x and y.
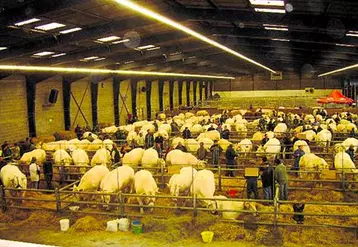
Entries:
{"x":105,"y":102}
{"x":13,"y":110}
{"x":49,"y":117}
{"x":80,"y":89}
{"x":125,"y":101}
{"x":166,"y":105}
{"x":141,"y":100}
{"x":155,"y":97}
{"x":175,"y":94}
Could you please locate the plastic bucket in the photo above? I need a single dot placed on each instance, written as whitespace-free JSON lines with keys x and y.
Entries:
{"x":137,"y":227}
{"x":64,"y":224}
{"x":207,"y":236}
{"x":112,"y":226}
{"x":123,"y":224}
{"x":233,"y":193}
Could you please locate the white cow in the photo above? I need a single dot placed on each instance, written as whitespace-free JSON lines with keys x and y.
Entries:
{"x":101,"y":157}
{"x":176,"y":140}
{"x":244,"y":146}
{"x":311,"y":162}
{"x":110,"y":130}
{"x":212,"y":134}
{"x":61,"y":157}
{"x":39,"y":154}
{"x":90,"y":181}
{"x":80,"y":158}
{"x":119,"y":179}
{"x":12,"y":177}
{"x":179,"y":184}
{"x":272,"y":148}
{"x":343,"y":162}
{"x":191,"y":145}
{"x":203,"y":186}
{"x":134,"y":157}
{"x":324,"y":137}
{"x":303,"y":143}
{"x":150,"y":159}
{"x":145,"y":184}
{"x":179,"y":158}
{"x":235,"y":206}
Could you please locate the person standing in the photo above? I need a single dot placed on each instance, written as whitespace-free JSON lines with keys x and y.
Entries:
{"x":115,"y":156}
{"x":297,"y":155}
{"x":201,"y":153}
{"x":48,"y":172}
{"x":350,"y":152}
{"x":267,"y":179}
{"x":298,"y":208}
{"x":264,"y":140}
{"x":230,"y":155}
{"x":226,"y":133}
{"x":149,"y":140}
{"x":159,"y":140}
{"x":16,"y":152}
{"x":251,"y":182}
{"x":281,"y":178}
{"x":181,"y":147}
{"x":215,"y":150}
{"x":186,"y":133}
{"x":34,"y":174}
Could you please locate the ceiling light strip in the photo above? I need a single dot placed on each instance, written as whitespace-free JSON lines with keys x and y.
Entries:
{"x":106,"y":71}
{"x":165,"y":20}
{"x":339,"y":70}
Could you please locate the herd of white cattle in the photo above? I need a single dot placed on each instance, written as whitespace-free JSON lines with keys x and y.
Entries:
{"x":188,"y":181}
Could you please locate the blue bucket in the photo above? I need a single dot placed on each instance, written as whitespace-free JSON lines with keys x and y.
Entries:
{"x":137,"y":227}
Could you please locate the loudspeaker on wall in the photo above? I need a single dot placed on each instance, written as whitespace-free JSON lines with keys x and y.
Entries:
{"x":52,"y":98}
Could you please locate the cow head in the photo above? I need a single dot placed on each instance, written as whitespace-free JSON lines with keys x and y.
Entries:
{"x":250,"y":206}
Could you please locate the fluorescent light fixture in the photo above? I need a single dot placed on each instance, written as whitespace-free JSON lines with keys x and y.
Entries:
{"x":128,"y":62}
{"x":283,"y":40}
{"x":145,"y":47}
{"x":339,"y":70}
{"x":71,"y":30}
{"x":59,"y":55}
{"x":88,"y":58}
{"x":275,"y":27}
{"x":175,"y":53}
{"x":107,"y":71}
{"x":29,"y":21}
{"x":2,"y":48}
{"x":176,"y":25}
{"x":44,"y":53}
{"x":345,"y":45}
{"x":50,"y":26}
{"x":265,"y":10}
{"x":120,"y":41}
{"x":268,"y":3}
{"x":352,"y":33}
{"x":192,"y":57}
{"x":154,"y":48}
{"x":108,"y":39}
{"x":99,"y":59}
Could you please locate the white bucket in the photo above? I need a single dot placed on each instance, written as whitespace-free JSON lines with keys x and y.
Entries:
{"x":64,"y":224}
{"x":112,"y":226}
{"x":123,"y":224}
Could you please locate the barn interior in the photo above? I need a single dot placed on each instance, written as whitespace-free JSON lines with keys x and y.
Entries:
{"x":100,"y":63}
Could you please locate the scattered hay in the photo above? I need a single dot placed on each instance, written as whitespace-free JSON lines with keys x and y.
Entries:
{"x":14,"y":215}
{"x":230,"y":232}
{"x":87,"y":224}
{"x":269,"y":237}
{"x":40,"y":218}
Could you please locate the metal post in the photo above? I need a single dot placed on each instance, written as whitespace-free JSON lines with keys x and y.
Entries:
{"x":219,"y":178}
{"x":162,"y":176}
{"x":343,"y":183}
{"x":58,"y":201}
{"x":276,"y":204}
{"x":3,"y":199}
{"x":121,"y":202}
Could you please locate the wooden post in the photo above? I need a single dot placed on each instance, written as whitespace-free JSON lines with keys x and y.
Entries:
{"x":121,"y":202}
{"x":58,"y":201}
{"x":3,"y":199}
{"x":219,"y":178}
{"x":276,"y":204}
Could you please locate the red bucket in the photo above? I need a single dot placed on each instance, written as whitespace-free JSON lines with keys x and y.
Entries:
{"x":233,"y":193}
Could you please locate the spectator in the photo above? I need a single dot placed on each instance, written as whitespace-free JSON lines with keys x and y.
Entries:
{"x":115,"y":156}
{"x":175,"y":128}
{"x":6,"y":152}
{"x":90,"y":137}
{"x":149,"y":140}
{"x":16,"y":152}
{"x":201,"y":153}
{"x":159,"y":149}
{"x":125,"y":149}
{"x":281,"y":178}
{"x":181,"y":147}
{"x":159,"y":140}
{"x":211,"y":127}
{"x":186,"y":133}
{"x":264,"y":140}
{"x":230,"y":155}
{"x":78,"y":132}
{"x":267,"y":179}
{"x":297,"y":155}
{"x":226,"y":133}
{"x":155,"y":124}
{"x":34,"y":174}
{"x":286,"y":145}
{"x":48,"y":171}
{"x":215,"y":150}
{"x":251,"y":187}
{"x":298,"y":208}
{"x":350,"y":152}
{"x":141,"y":140}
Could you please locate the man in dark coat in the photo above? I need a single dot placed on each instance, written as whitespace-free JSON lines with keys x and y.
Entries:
{"x":48,"y":171}
{"x":230,"y":156}
{"x":267,"y":179}
{"x":159,"y":140}
{"x":201,"y":153}
{"x":215,"y":150}
{"x":181,"y":147}
{"x":186,"y":133}
{"x":115,"y":155}
{"x":149,"y":140}
{"x":226,"y":133}
{"x":350,"y":152}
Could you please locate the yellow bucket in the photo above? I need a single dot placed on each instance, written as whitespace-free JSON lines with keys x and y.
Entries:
{"x":207,"y":236}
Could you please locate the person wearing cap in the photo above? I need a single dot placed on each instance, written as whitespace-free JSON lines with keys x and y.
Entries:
{"x":281,"y":177}
{"x":297,"y":155}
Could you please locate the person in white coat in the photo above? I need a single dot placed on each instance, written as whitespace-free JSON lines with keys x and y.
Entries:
{"x":34,"y":174}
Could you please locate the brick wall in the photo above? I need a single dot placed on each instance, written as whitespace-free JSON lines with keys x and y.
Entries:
{"x":105,"y":102}
{"x":175,"y":94}
{"x":13,"y":110}
{"x":125,"y":91}
{"x":78,"y":89}
{"x":49,"y":117}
